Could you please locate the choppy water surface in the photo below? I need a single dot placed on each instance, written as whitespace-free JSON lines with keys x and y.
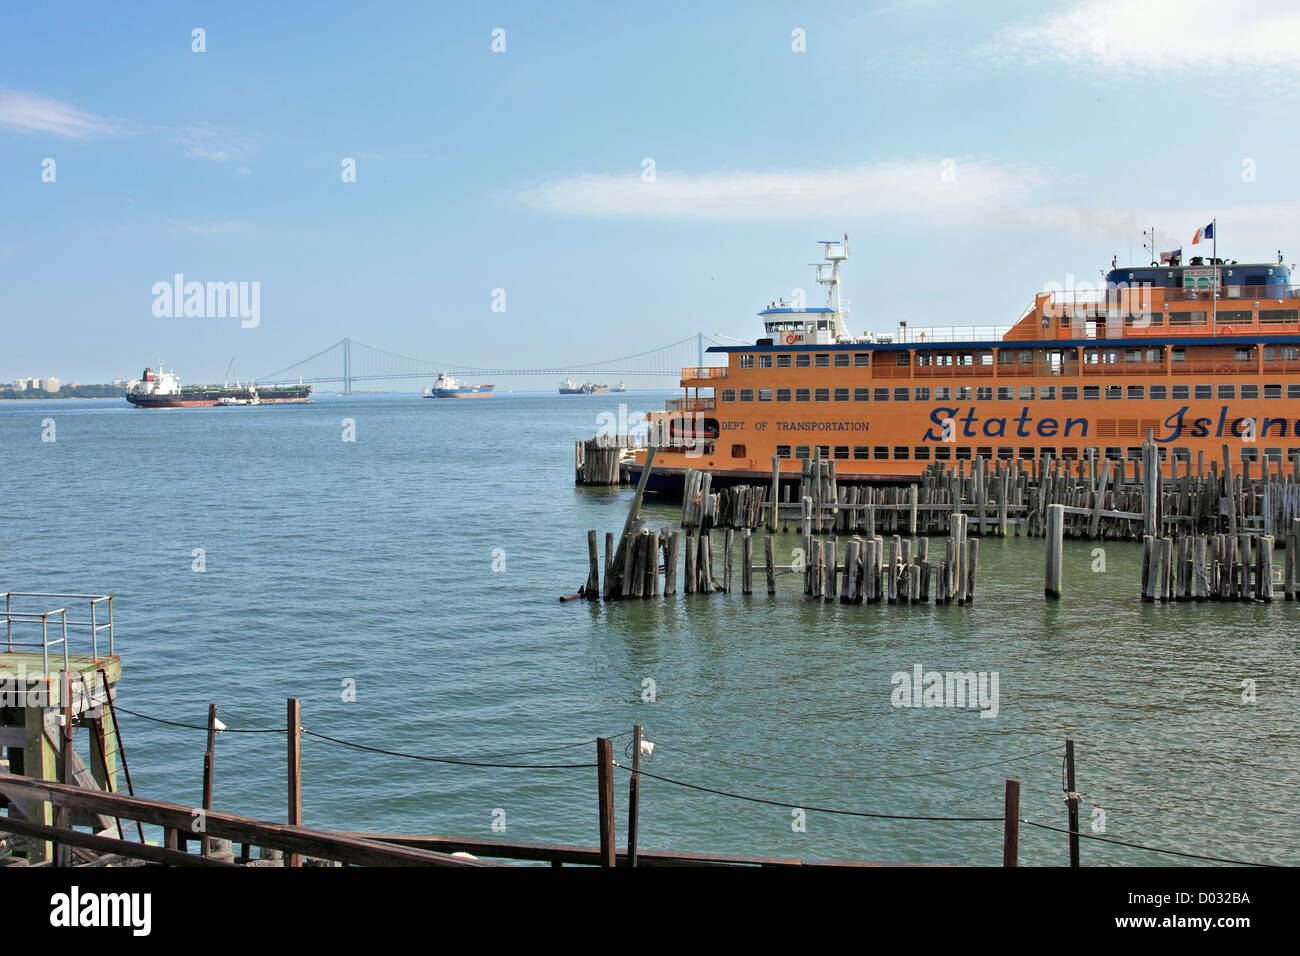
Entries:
{"x":372,"y":561}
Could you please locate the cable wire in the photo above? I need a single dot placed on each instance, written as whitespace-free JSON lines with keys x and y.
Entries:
{"x":1141,"y":846}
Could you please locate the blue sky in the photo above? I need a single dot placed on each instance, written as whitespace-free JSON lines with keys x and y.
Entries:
{"x":1069,"y":126}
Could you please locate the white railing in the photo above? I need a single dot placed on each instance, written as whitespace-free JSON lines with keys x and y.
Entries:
{"x":57,"y":618}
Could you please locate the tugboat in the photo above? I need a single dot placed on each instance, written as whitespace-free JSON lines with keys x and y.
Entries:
{"x":448,"y":387}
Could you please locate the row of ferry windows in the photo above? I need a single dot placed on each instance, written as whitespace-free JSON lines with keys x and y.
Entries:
{"x":1011,"y":393}
{"x":946,"y":452}
{"x":1177,"y":354}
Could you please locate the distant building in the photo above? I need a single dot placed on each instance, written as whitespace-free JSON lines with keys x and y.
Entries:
{"x":20,"y":385}
{"x":50,"y":384}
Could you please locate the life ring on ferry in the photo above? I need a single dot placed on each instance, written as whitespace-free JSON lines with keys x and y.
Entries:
{"x":1226,"y":330}
{"x":791,"y":338}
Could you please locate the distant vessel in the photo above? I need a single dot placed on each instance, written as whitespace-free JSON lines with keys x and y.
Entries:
{"x":620,"y":387}
{"x":448,"y":387}
{"x":163,"y":389}
{"x":570,"y":387}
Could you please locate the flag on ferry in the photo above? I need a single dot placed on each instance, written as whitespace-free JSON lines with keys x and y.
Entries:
{"x":1205,"y":233}
{"x":1167,"y":258}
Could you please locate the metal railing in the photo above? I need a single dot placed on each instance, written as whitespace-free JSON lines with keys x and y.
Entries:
{"x":690,"y":405}
{"x":59,"y":616}
{"x":705,"y":371}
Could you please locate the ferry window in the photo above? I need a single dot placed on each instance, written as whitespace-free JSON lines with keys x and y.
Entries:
{"x":821,"y":394}
{"x":1292,"y":391}
{"x":1290,"y":353}
{"x":1178,"y":355}
{"x":985,"y":452}
{"x":1026,"y":393}
{"x":782,"y":451}
{"x":1158,"y":392}
{"x":1227,"y":391}
{"x":963,"y":393}
{"x":861,"y":359}
{"x":737,"y":451}
{"x":783,"y":361}
{"x":924,"y":359}
{"x":880,"y":395}
{"x":783,"y":394}
{"x":1069,"y":453}
{"x":902,"y":394}
{"x":1132,"y":356}
{"x":746,"y":394}
{"x":1154,"y":356}
{"x":1065,"y":322}
{"x":841,"y":451}
{"x":1091,"y":392}
{"x":942,"y":393}
{"x":1026,"y":357}
{"x":902,"y":359}
{"x":1005,"y":393}
{"x":1114,"y":451}
{"x":802,"y":360}
{"x":747,"y":361}
{"x":1272,"y":391}
{"x":1134,"y":392}
{"x":1047,"y":451}
{"x":728,"y":394}
{"x":1250,"y":454}
{"x":1091,"y":356}
{"x":862,"y":394}
{"x":923,"y":393}
{"x":861,"y":452}
{"x":823,"y":451}
{"x":764,"y":394}
{"x":1135,"y":454}
{"x":1047,"y":393}
{"x":880,"y":452}
{"x":1025,"y":454}
{"x":765,"y":361}
{"x":1278,"y":316}
{"x":1273,"y":454}
{"x":1181,"y":392}
{"x":1270,"y":353}
{"x":1114,"y":392}
{"x":964,"y":358}
{"x":841,"y":359}
{"x":1069,"y":393}
{"x":1203,"y":391}
{"x":963,"y":452}
{"x":1244,"y":317}
{"x":841,"y":395}
{"x":942,"y":452}
{"x":1189,"y":318}
{"x":1244,"y":354}
{"x":801,"y":451}
{"x":902,"y":452}
{"x":1182,"y":453}
{"x":945,"y":359}
{"x":984,"y":393}
{"x":802,"y":395}
{"x":1006,"y":357}
{"x":823,"y":360}
{"x":1006,"y":454}
{"x":984,"y":358}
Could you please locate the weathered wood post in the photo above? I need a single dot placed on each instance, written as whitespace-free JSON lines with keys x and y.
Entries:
{"x":605,"y":789}
{"x":209,"y":756}
{"x":1011,"y":825}
{"x":634,"y":795}
{"x":1055,"y":535}
{"x":295,"y":773}
{"x":1072,"y":803}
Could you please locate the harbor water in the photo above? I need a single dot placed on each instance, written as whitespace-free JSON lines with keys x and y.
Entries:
{"x":404,"y":586}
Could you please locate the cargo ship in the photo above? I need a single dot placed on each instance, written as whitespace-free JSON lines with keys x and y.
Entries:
{"x":570,"y":387}
{"x":448,"y":387}
{"x":163,"y":389}
{"x":1203,"y":355}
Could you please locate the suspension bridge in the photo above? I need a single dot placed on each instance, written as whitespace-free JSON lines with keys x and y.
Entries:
{"x":348,"y":361}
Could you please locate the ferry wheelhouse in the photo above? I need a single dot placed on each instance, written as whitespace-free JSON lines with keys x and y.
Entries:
{"x":1203,"y":354}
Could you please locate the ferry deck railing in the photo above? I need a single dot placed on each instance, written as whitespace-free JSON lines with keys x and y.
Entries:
{"x":58,"y":619}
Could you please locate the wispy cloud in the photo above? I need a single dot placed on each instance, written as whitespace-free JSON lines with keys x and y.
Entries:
{"x":921,"y":190}
{"x":1160,"y":35}
{"x":32,"y":113}
{"x":211,"y":230}
{"x":211,"y":142}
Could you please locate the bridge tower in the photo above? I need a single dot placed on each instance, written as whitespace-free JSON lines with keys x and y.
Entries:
{"x":347,"y":366}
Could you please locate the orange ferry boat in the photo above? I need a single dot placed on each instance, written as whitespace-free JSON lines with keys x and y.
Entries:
{"x":1203,"y":354}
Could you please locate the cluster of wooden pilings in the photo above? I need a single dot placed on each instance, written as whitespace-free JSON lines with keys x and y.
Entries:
{"x":603,"y":460}
{"x":1219,"y":567}
{"x":1106,"y":498}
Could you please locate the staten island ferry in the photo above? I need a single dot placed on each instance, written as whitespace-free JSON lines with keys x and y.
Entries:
{"x":1203,"y":354}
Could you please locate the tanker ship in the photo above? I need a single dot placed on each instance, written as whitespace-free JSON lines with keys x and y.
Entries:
{"x":163,"y":389}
